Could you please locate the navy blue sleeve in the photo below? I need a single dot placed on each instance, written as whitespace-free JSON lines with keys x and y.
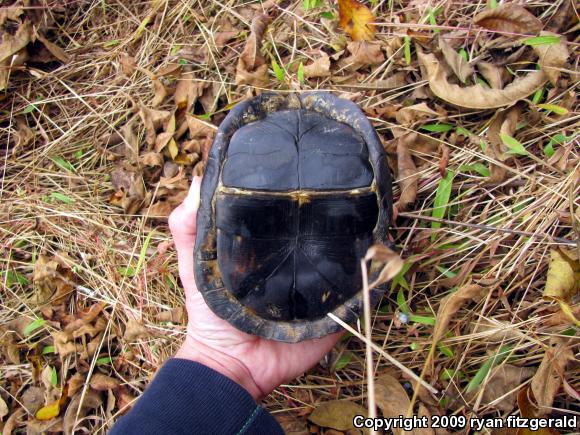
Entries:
{"x":186,"y":397}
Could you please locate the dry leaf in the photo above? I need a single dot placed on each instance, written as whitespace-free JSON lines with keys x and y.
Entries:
{"x":505,"y":379}
{"x":457,"y":63}
{"x":10,"y":43}
{"x":320,"y":67}
{"x":548,"y":379}
{"x":252,"y":68}
{"x":391,"y":397}
{"x":552,"y":57}
{"x":443,"y":160}
{"x":476,"y":96}
{"x":357,"y":20}
{"x":3,"y":408}
{"x":510,"y":18}
{"x":383,"y":254}
{"x":407,"y":175}
{"x":52,"y":282}
{"x":13,"y":421}
{"x":337,"y":414}
{"x":135,"y":330}
{"x":451,"y":304}
{"x":49,"y":411}
{"x":563,"y":280}
{"x":23,"y":136}
{"x":492,"y":73}
{"x":363,"y":54}
{"x":424,"y":412}
{"x":159,"y":92}
{"x":32,"y":399}
{"x":54,"y":49}
{"x":407,"y":116}
{"x":187,"y":91}
{"x":101,"y":382}
{"x":163,"y":139}
{"x":152,"y":159}
{"x":153,"y":121}
{"x":175,"y":315}
{"x":128,"y":65}
{"x":78,"y":408}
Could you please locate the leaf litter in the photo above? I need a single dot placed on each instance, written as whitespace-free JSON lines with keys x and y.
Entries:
{"x":477,"y":195}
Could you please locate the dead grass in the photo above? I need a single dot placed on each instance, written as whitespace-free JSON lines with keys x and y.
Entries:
{"x":498,"y":234}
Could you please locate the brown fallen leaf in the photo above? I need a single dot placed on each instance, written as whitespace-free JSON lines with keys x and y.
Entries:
{"x":393,"y":263}
{"x":391,"y":397}
{"x":408,"y":116}
{"x":504,"y":122}
{"x":159,"y":92}
{"x":337,"y":414}
{"x":15,"y":420}
{"x":23,"y":136}
{"x":357,"y":20}
{"x":505,"y":381}
{"x":424,"y":413}
{"x":153,"y":121}
{"x":552,"y":57}
{"x":54,"y":49}
{"x":166,"y":138}
{"x":52,"y":282}
{"x":476,"y":96}
{"x":13,"y":53}
{"x":460,"y":67}
{"x":32,"y":399}
{"x":135,"y":330}
{"x":175,"y":315}
{"x":130,"y":191}
{"x":363,"y":53}
{"x":443,"y":160}
{"x":407,"y":177}
{"x":101,"y":382}
{"x":79,"y":406}
{"x":187,"y":91}
{"x":451,"y":304}
{"x":3,"y":408}
{"x":509,"y":18}
{"x":548,"y":379}
{"x":320,"y":67}
{"x":529,"y":410}
{"x":492,"y":73}
{"x":252,"y":68}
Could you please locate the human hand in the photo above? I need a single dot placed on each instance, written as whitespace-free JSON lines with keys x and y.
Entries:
{"x":257,"y":364}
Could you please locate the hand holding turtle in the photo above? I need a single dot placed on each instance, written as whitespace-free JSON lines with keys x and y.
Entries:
{"x":257,"y":364}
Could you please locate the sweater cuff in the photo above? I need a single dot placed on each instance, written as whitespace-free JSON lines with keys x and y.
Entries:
{"x":188,"y":397}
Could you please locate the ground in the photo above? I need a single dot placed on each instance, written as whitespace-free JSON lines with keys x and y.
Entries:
{"x":108,"y":109}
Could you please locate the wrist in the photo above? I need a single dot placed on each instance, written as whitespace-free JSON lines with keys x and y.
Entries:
{"x":225,"y":364}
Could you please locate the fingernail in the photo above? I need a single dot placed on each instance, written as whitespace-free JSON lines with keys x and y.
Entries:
{"x":191,"y":202}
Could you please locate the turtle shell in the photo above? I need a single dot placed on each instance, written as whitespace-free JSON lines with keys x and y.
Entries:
{"x":296,"y":189}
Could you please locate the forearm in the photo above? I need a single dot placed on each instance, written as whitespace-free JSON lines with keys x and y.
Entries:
{"x":189,"y":397}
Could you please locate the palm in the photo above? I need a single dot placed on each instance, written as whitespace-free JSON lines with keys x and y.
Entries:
{"x":269,"y":362}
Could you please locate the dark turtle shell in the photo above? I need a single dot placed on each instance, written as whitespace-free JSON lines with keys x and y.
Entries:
{"x":296,"y":189}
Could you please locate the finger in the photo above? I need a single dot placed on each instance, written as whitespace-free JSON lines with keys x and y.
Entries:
{"x":182,"y":224}
{"x":182,"y":221}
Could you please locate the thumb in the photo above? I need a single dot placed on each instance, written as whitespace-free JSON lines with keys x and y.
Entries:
{"x":183,"y":220}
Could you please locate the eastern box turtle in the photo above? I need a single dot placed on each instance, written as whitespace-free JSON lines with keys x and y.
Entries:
{"x":296,"y":189}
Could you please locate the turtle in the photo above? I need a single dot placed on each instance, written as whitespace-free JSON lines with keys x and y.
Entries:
{"x":296,"y":189}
